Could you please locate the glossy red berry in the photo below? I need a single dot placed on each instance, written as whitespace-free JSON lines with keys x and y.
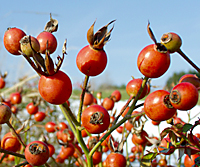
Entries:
{"x":133,"y":87}
{"x":51,"y":149}
{"x":50,"y":127}
{"x":37,"y":153}
{"x":95,"y":119}
{"x":191,"y":78}
{"x":115,"y":160}
{"x":45,"y":36}
{"x":12,"y":39}
{"x":32,"y":108}
{"x":39,"y":116}
{"x":62,"y":125}
{"x":158,"y":107}
{"x":2,"y":83}
{"x":88,"y":99}
{"x":140,"y":138}
{"x":15,"y":98}
{"x":108,"y":103}
{"x":10,"y":142}
{"x":184,"y":96}
{"x":91,"y":62}
{"x":67,"y":151}
{"x":59,"y":82}
{"x":117,"y":95}
{"x":153,"y":61}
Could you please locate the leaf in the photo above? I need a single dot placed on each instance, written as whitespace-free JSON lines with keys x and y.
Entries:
{"x":173,"y":138}
{"x":188,"y":151}
{"x":197,"y":161}
{"x":180,"y":152}
{"x":164,"y":132}
{"x":187,"y":127}
{"x":165,"y":150}
{"x":146,"y":159}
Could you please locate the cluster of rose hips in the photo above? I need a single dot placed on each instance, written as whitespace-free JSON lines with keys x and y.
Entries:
{"x":93,"y":119}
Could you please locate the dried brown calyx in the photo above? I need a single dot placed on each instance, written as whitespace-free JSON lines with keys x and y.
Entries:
{"x":167,"y":102}
{"x":158,"y":46}
{"x":45,"y":66}
{"x":97,"y":118}
{"x":101,"y":37}
{"x":4,"y":75}
{"x":37,"y":148}
{"x":52,"y":25}
{"x":175,"y":96}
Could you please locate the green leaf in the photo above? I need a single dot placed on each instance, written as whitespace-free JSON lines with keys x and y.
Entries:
{"x":173,"y":138}
{"x":165,"y":150}
{"x":146,"y":159}
{"x":181,"y":152}
{"x":197,"y":161}
{"x":187,"y":127}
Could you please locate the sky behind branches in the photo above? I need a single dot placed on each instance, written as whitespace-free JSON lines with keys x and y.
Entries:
{"x":128,"y":38}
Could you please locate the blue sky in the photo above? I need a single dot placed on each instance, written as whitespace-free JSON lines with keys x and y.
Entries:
{"x":128,"y":38}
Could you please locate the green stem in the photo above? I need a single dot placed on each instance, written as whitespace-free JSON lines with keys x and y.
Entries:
{"x":67,"y":116}
{"x":123,"y":108}
{"x":68,"y":111}
{"x":84,"y":148}
{"x":78,"y":131}
{"x":132,"y":107}
{"x":82,"y":97}
{"x":22,"y":164}
{"x":74,"y":124}
{"x":54,"y":161}
{"x":127,"y":156}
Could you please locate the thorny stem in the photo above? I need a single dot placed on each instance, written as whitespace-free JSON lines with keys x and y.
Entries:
{"x":82,"y":97}
{"x":78,"y":132}
{"x":24,"y":163}
{"x":123,"y":108}
{"x":188,"y":60}
{"x":133,"y":116}
{"x":16,"y":134}
{"x":84,"y":147}
{"x":79,"y":156}
{"x":74,"y":124}
{"x":71,"y":115}
{"x":132,"y":107}
{"x":12,"y":153}
{"x":67,"y":116}
{"x":126,"y":136}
